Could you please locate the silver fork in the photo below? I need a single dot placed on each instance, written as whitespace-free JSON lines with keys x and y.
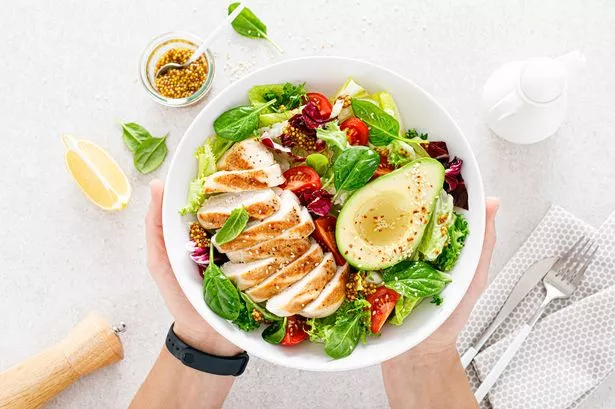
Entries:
{"x":560,"y":282}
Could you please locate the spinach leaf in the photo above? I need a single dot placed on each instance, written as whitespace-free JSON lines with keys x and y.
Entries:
{"x":354,"y":167}
{"x":233,"y":226}
{"x":150,"y":154}
{"x":245,"y":320}
{"x":254,"y":306}
{"x":248,"y":25}
{"x":239,"y":123}
{"x":383,"y":128}
{"x":415,"y":279}
{"x":351,"y":324}
{"x":134,"y":135}
{"x":318,"y":162}
{"x":274,"y":334}
{"x":219,"y":293}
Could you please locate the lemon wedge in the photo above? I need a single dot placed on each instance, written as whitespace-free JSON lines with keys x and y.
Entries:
{"x":100,"y":178}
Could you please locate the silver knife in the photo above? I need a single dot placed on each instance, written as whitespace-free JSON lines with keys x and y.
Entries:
{"x":526,"y":283}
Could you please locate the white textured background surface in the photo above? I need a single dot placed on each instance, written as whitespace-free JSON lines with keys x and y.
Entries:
{"x":71,"y":67}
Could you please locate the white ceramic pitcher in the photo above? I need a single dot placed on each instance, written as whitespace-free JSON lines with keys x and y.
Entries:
{"x":525,"y":101}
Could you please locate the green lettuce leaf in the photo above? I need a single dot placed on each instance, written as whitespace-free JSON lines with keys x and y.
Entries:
{"x":334,"y":137}
{"x":457,"y":234}
{"x":436,"y":233}
{"x":403,"y":308}
{"x":245,"y":321}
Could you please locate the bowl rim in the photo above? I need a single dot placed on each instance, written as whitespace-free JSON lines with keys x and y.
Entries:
{"x":346,"y":363}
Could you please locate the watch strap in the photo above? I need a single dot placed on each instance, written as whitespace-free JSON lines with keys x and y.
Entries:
{"x":204,"y":362}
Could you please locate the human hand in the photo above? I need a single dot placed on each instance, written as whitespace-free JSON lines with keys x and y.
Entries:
{"x":189,"y":325}
{"x":442,"y":343}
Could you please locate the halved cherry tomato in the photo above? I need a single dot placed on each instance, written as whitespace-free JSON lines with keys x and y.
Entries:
{"x":356,"y":130}
{"x":324,"y":234}
{"x":384,"y":166}
{"x":383,"y":302}
{"x":300,"y":178}
{"x":295,"y":331}
{"x":323,"y":104}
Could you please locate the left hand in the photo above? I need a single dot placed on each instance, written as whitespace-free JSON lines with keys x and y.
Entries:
{"x":189,"y":325}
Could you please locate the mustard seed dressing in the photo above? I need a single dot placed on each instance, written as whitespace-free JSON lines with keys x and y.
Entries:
{"x":184,"y":82}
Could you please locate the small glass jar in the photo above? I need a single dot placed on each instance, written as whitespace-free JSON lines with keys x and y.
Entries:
{"x":156,"y":49}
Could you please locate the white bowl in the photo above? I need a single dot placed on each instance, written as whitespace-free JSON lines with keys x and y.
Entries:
{"x":327,"y":74}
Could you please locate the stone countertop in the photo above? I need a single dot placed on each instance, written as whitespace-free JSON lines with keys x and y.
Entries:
{"x":71,"y":67}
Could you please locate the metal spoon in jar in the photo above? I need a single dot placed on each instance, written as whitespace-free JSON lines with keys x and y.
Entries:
{"x":203,"y":47}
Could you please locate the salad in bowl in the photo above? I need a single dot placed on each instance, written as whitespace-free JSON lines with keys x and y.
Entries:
{"x":321,"y":218}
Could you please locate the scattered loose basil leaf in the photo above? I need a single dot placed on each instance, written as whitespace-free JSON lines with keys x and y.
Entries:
{"x":219,"y":293}
{"x":274,"y":334}
{"x":318,"y":162}
{"x":248,"y":25}
{"x":383,"y":128}
{"x":351,"y":325}
{"x":134,"y":135}
{"x":233,"y":226}
{"x":150,"y":154}
{"x":239,"y":123}
{"x":415,"y":279}
{"x":355,"y":167}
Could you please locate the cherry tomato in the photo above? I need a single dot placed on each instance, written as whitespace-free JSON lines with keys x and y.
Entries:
{"x":324,"y":234}
{"x":300,"y":178}
{"x":295,"y":331}
{"x":384,"y":166}
{"x":357,"y":131}
{"x":383,"y":302}
{"x":323,"y":104}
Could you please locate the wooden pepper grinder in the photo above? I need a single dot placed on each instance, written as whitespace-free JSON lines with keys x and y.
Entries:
{"x":91,"y":345}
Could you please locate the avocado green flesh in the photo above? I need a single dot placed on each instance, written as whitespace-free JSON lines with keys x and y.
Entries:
{"x":383,"y":222}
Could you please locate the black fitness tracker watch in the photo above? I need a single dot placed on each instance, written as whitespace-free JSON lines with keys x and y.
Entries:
{"x":204,"y":362}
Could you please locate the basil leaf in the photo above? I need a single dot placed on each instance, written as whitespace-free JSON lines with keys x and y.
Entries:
{"x":134,"y":135}
{"x":254,"y":306}
{"x":318,"y":162}
{"x":239,"y":123}
{"x":383,"y":128}
{"x":248,"y":25}
{"x":351,"y":324}
{"x":274,"y":334}
{"x":219,"y":293}
{"x":150,"y":154}
{"x":415,"y":279}
{"x":354,"y":167}
{"x":233,"y":226}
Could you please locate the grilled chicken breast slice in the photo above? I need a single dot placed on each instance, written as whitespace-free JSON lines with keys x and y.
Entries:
{"x":296,"y":297}
{"x":331,"y":297}
{"x":285,"y":218}
{"x":288,"y":275}
{"x":240,"y":180}
{"x":259,"y":204}
{"x":277,"y":247}
{"x":246,"y":275}
{"x":248,"y":154}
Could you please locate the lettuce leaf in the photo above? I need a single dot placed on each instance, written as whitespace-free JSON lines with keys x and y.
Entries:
{"x":436,"y":233}
{"x":245,"y":321}
{"x":403,"y":308}
{"x":457,"y":234}
{"x":334,"y":137}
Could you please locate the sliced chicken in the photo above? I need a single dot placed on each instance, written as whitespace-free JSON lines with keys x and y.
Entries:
{"x":248,"y":154}
{"x":240,"y":180}
{"x":288,"y":275}
{"x":278,"y":247}
{"x":259,"y":204}
{"x":331,"y":297}
{"x":245,"y":275}
{"x":303,"y":229}
{"x":296,"y":297}
{"x":286,"y":217}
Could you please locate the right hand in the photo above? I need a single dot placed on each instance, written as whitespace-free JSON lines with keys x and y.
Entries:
{"x":190,"y":327}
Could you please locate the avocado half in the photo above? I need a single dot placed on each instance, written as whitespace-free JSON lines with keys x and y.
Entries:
{"x":383,"y":222}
